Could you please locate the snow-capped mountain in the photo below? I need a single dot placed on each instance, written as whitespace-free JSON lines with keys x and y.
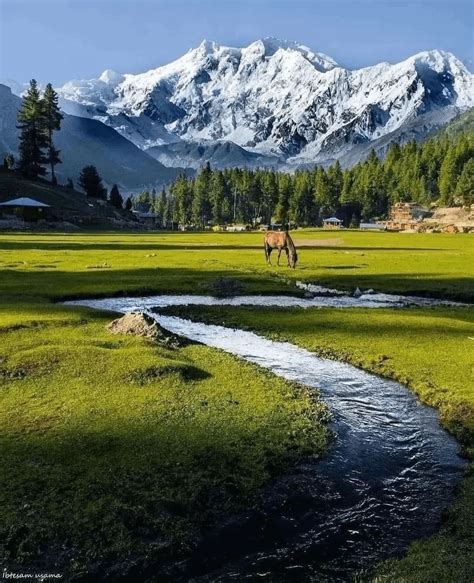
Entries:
{"x":273,"y":98}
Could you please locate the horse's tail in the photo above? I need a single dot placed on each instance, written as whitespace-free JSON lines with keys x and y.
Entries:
{"x":291,"y":248}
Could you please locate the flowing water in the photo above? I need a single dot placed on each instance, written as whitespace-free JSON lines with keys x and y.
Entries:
{"x":388,"y":477}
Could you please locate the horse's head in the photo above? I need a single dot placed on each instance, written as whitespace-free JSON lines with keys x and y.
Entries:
{"x":293,"y":258}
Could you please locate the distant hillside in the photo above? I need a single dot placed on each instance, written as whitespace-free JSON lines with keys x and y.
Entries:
{"x":87,"y":141}
{"x":218,"y":154}
{"x":66,"y":204}
{"x":463,"y":124}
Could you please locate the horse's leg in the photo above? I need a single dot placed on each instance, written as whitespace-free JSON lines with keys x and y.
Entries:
{"x":266,"y":252}
{"x":287,"y":256}
{"x":279,"y":254}
{"x":269,"y":251}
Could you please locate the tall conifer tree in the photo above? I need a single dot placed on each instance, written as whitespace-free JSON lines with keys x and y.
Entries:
{"x":33,"y":137}
{"x":52,"y":122}
{"x":91,"y":183}
{"x":115,"y":198}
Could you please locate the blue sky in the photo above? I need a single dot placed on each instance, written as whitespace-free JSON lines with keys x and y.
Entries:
{"x":56,"y":40}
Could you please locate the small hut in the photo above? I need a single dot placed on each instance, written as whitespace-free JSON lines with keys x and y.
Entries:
{"x":332,"y":223}
{"x":26,"y":208}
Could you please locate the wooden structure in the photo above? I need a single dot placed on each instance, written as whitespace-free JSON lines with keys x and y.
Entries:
{"x":405,"y":216}
{"x":332,"y":223}
{"x":28,"y":209}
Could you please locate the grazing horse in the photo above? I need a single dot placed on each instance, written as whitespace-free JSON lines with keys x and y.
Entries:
{"x":280,"y":240}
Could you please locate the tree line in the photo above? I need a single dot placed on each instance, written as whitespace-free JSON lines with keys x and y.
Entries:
{"x":38,"y":118}
{"x":439,"y":170}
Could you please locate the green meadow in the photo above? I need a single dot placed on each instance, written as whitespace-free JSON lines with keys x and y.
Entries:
{"x":117,"y":449}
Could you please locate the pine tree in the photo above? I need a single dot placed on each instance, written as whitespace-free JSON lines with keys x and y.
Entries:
{"x":181,"y":190}
{"x":335,"y":180}
{"x":128,"y":204}
{"x":321,"y":192}
{"x":91,"y":183}
{"x":269,"y":195}
{"x":201,"y":206}
{"x":284,"y":195}
{"x":52,"y":121}
{"x":143,"y":202}
{"x":153,"y":200}
{"x":115,"y":198}
{"x":33,"y":137}
{"x":161,"y":207}
{"x":447,"y":177}
{"x":217,"y":188}
{"x":302,"y":210}
{"x":169,"y":217}
{"x":465,"y":185}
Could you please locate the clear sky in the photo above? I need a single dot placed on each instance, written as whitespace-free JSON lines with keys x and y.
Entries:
{"x":57,"y":40}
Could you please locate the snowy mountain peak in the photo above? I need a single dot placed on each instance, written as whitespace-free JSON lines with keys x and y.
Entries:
{"x":207,"y":47}
{"x":270,"y":45}
{"x":274,"y":98}
{"x":111,"y":77}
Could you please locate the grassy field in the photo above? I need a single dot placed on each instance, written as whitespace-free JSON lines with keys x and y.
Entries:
{"x":59,"y":265}
{"x":114,"y":447}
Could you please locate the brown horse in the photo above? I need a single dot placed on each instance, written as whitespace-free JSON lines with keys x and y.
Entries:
{"x":280,"y":240}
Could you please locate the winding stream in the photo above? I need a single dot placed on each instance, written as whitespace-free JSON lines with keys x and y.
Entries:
{"x":386,"y":481}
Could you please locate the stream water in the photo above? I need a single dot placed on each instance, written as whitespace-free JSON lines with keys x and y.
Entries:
{"x":388,"y":477}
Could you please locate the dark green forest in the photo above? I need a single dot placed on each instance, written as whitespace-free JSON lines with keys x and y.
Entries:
{"x":441,"y":170}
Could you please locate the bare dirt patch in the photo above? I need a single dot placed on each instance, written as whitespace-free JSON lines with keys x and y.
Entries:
{"x":141,"y":324}
{"x":332,"y":242}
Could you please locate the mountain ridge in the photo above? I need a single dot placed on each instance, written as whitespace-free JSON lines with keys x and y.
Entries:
{"x":278,"y":102}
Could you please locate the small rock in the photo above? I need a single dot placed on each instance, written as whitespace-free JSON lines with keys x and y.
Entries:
{"x":357,"y":293}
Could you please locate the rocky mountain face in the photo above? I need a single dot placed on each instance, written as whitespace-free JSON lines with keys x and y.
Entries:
{"x":83,"y":141}
{"x":276,"y":100}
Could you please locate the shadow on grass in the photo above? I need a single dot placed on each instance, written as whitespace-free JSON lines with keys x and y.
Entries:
{"x":95,"y":498}
{"x":21,"y":245}
{"x":63,"y":285}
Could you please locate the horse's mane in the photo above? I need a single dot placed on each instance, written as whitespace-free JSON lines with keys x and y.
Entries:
{"x":291,"y":246}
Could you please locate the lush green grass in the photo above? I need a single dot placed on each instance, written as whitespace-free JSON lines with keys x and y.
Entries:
{"x":112,"y":446}
{"x":55,"y":265}
{"x":109,"y":439}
